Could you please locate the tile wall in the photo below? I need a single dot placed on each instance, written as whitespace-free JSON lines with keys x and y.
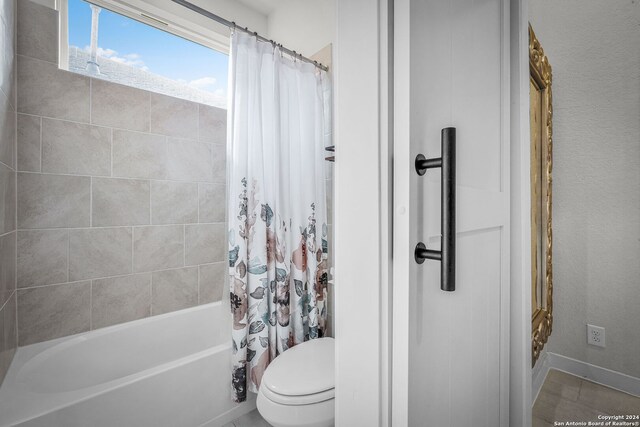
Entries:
{"x":8,"y":340}
{"x":120,"y":196}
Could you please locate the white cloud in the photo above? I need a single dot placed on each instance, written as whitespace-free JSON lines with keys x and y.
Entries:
{"x":131,"y":59}
{"x":204,"y":83}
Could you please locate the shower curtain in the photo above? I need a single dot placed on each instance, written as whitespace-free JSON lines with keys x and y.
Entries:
{"x":278,"y":128}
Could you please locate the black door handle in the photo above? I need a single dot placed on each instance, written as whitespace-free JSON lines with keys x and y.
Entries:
{"x":447,"y":253}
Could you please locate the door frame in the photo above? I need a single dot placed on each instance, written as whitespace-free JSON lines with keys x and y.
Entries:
{"x":362,"y":206}
{"x":520,"y":401}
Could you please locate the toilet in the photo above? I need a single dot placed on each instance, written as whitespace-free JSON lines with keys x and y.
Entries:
{"x":297,"y":388}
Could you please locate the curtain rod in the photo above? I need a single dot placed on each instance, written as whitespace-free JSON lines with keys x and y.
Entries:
{"x":233,"y":25}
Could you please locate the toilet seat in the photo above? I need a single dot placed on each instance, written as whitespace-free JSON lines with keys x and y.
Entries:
{"x":306,"y":399}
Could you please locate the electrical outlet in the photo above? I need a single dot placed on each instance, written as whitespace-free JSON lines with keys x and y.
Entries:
{"x":595,"y":335}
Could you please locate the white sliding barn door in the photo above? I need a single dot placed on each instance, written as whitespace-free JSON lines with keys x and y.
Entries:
{"x":450,"y":349}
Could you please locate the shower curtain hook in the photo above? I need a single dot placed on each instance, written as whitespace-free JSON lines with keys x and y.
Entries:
{"x":255,"y":33}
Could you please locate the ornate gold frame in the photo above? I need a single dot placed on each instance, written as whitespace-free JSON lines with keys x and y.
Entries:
{"x":541,"y":316}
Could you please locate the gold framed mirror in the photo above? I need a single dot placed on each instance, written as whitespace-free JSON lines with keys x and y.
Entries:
{"x":540,"y":117}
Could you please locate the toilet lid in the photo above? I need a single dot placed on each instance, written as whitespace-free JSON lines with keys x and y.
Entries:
{"x":305,"y":369}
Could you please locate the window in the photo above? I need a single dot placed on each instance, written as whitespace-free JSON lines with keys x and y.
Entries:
{"x":111,"y":46}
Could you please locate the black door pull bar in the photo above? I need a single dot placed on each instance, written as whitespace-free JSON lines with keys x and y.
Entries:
{"x":447,"y":254}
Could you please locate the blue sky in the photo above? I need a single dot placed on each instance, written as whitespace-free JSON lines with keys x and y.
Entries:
{"x":143,"y":46}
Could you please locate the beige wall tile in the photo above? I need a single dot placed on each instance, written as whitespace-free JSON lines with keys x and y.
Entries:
{"x":212,"y":124}
{"x":74,"y":148}
{"x":55,"y":311}
{"x":7,"y":58}
{"x":213,"y":204}
{"x":139,"y":155}
{"x":174,"y":117}
{"x":51,"y":201}
{"x":190,"y":161}
{"x":7,"y":266}
{"x":45,"y":90}
{"x":120,"y":202}
{"x":212,"y":282}
{"x":99,"y":252}
{"x":7,"y":199}
{"x":7,"y":184}
{"x":7,"y":131}
{"x":120,"y":299}
{"x":219,"y":163}
{"x":158,"y":247}
{"x":205,"y":243}
{"x":174,"y":290}
{"x":28,"y":143}
{"x":37,"y":31}
{"x":174,"y":202}
{"x":119,"y":106}
{"x":42,"y":257}
{"x":8,"y":334}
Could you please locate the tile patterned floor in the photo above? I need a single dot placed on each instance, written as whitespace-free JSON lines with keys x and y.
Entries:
{"x":565,"y":397}
{"x":252,"y":419}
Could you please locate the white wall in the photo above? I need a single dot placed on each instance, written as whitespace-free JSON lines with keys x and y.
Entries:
{"x":305,"y":26}
{"x":593,"y":47}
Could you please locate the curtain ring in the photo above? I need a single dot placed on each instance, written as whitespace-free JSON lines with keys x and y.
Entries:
{"x":255,"y":33}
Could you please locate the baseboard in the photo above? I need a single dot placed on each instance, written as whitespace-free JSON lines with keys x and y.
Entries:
{"x":538,"y":374}
{"x":596,"y":374}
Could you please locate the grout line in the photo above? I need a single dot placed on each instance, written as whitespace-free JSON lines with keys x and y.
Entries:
{"x":111,"y":169}
{"x":198,"y":121}
{"x":9,"y":232}
{"x":68,"y":255}
{"x":150,"y":294}
{"x":111,"y":226}
{"x":90,"y":202}
{"x":183,"y":139}
{"x":8,"y":167}
{"x":16,"y":319}
{"x":118,"y":276}
{"x":41,"y":146}
{"x":132,"y":248}
{"x":120,"y":177}
{"x":91,"y":305}
{"x":150,"y":205}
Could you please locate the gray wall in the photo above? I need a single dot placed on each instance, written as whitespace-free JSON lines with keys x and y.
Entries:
{"x":593,"y":49}
{"x":8,"y":340}
{"x":121,"y":196}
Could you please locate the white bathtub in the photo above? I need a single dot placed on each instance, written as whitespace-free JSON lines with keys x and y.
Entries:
{"x":170,"y":370}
